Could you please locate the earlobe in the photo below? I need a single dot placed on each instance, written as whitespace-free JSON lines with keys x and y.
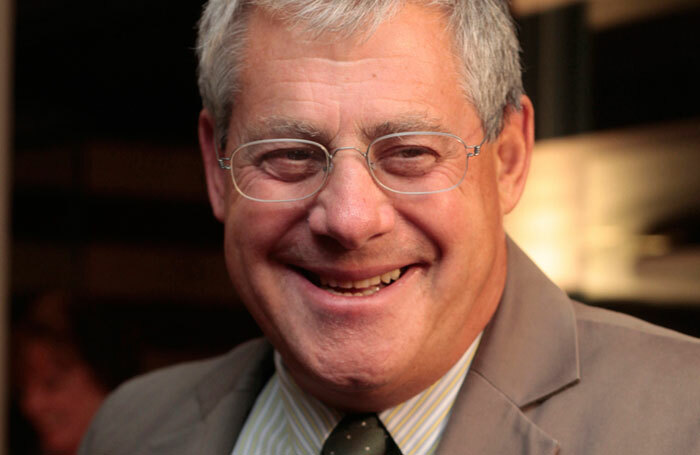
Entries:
{"x":514,"y":152}
{"x":215,"y":175}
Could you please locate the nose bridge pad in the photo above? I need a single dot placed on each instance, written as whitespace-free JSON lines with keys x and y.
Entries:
{"x":340,"y":149}
{"x":365,"y":157}
{"x":335,"y":151}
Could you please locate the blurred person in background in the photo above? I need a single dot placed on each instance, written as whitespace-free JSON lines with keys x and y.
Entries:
{"x":65,"y":361}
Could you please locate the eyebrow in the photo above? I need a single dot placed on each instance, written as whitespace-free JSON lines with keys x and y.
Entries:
{"x":284,"y":127}
{"x":402,"y":124}
{"x":288,"y":127}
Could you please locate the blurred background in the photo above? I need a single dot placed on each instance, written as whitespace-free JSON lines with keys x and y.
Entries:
{"x":108,"y":246}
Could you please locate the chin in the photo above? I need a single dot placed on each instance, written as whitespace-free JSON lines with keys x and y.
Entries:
{"x":352,"y":367}
{"x":356,"y":377}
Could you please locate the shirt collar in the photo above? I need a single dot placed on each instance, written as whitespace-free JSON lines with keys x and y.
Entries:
{"x":415,"y":425}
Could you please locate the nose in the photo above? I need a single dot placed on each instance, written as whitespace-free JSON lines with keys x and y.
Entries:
{"x":351,"y":208}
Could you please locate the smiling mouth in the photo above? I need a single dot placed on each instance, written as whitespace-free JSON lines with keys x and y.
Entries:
{"x":359,"y":288}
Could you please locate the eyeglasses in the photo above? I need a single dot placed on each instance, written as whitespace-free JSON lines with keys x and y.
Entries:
{"x":286,"y":170}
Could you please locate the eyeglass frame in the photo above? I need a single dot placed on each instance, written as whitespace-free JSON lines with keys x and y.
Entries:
{"x":225,"y":163}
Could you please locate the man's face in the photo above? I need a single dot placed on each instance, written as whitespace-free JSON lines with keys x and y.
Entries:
{"x":377,"y":350}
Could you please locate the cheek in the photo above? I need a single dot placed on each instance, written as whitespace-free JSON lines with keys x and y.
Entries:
{"x":457,"y":222}
{"x":481,"y":196}
{"x":464,"y":226}
{"x":253,"y":231}
{"x":246,"y":241}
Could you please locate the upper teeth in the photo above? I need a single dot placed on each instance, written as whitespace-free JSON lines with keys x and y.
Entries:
{"x":385,"y":278}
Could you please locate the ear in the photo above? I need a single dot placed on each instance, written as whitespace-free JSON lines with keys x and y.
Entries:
{"x":217,"y":178}
{"x":514,"y":150}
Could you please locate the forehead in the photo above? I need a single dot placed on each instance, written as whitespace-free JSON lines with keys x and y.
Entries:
{"x":404,"y":69}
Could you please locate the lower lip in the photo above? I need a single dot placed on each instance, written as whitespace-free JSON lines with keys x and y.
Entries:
{"x":326,"y":302}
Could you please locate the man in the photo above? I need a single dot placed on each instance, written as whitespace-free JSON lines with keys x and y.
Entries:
{"x":361,"y":156}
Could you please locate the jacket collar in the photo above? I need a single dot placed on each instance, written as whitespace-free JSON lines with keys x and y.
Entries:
{"x":530,"y":347}
{"x":529,"y":351}
{"x":221,"y":403}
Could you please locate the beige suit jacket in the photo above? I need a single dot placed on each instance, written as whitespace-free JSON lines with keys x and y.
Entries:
{"x":550,"y":376}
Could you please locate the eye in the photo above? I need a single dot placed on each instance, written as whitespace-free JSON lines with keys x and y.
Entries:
{"x":411,"y":152}
{"x":288,"y":154}
{"x":290,"y":164}
{"x":408,"y":160}
{"x":297,"y":154}
{"x":405,"y":152}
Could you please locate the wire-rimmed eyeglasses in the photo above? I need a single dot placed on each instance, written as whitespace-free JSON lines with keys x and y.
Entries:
{"x":287,"y":170}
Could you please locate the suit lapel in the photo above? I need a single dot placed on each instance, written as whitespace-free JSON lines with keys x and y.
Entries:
{"x":484,"y":422}
{"x":222,"y":402}
{"x":528,"y":352}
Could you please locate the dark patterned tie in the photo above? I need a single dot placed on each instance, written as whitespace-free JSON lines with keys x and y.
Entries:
{"x":360,"y":434}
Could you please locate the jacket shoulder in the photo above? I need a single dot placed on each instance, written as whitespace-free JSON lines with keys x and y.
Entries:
{"x":613,"y":320}
{"x":607,"y":337}
{"x":636,"y":378}
{"x":163,"y":398}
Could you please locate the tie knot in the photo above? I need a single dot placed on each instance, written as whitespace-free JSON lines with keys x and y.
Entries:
{"x":359,"y":434}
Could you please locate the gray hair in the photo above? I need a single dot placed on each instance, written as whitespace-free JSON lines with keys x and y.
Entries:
{"x":483,"y":35}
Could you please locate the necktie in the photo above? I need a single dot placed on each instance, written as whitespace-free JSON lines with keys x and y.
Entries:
{"x":360,"y":434}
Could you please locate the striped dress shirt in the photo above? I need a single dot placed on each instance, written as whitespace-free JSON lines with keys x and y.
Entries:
{"x":285,"y":420}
